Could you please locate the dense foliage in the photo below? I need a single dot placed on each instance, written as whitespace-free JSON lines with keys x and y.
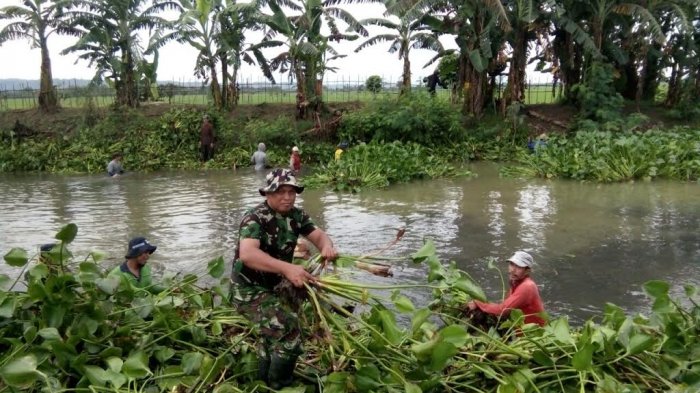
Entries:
{"x":75,"y":329}
{"x":417,"y":117}
{"x":378,"y":165}
{"x":608,"y":156}
{"x":168,"y":142}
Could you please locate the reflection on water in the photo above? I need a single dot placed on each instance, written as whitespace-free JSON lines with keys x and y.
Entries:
{"x":592,"y":243}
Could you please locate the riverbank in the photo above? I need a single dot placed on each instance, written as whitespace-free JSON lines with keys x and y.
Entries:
{"x":423,"y":131}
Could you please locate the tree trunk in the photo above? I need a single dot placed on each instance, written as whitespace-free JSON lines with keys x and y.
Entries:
{"x":642,"y":75}
{"x":47,"y":93}
{"x":515,"y":89}
{"x":215,"y":88}
{"x":126,"y":86}
{"x":570,"y":60}
{"x":674,"y":87}
{"x":225,"y":96}
{"x":406,"y":82}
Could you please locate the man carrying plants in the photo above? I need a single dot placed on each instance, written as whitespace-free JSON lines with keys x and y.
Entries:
{"x":523,"y":294}
{"x":135,"y":269}
{"x":266,"y":240}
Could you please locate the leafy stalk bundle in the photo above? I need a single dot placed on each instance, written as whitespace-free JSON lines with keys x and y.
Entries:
{"x":84,"y":331}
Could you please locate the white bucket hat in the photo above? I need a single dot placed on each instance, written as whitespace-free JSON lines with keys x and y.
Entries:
{"x":522,"y":259}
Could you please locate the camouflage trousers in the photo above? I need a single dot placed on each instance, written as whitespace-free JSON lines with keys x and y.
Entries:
{"x":276,"y":322}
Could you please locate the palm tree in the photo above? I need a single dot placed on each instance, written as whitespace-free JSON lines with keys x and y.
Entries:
{"x":108,"y":38}
{"x":406,"y":35}
{"x":36,"y":20}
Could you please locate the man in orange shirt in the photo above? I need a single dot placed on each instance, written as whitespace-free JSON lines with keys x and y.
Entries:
{"x":523,"y":294}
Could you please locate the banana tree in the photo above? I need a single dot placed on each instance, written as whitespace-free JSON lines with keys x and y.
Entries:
{"x":236,"y":20}
{"x":199,"y":26}
{"x":307,"y":49}
{"x":528,"y":19}
{"x":478,"y":26}
{"x":108,"y":38}
{"x":406,"y":35}
{"x":36,"y":20}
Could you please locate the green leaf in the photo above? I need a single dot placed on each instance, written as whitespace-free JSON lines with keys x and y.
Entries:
{"x":656,"y":288}
{"x":454,"y":334}
{"x":5,"y":282}
{"x":425,"y":252}
{"x":16,"y":257}
{"x":164,"y":353}
{"x":468,"y":286}
{"x":561,"y":331}
{"x":191,"y":362}
{"x":442,"y":353}
{"x":7,"y":307}
{"x":542,"y":358}
{"x":477,"y":60}
{"x":216,"y":267}
{"x":367,"y":378}
{"x":115,"y":364}
{"x":50,"y":334}
{"x":583,"y":358}
{"x":96,"y":375}
{"x":389,"y":327}
{"x":403,"y":304}
{"x":116,"y":379}
{"x":29,"y":334}
{"x":419,"y":318}
{"x":21,"y":372}
{"x":639,"y":343}
{"x":216,"y":328}
{"x":136,"y":366}
{"x":108,"y":284}
{"x":411,"y":388}
{"x":143,"y":306}
{"x":67,"y":233}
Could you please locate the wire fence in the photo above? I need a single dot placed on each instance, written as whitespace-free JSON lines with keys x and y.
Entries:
{"x":78,"y":94}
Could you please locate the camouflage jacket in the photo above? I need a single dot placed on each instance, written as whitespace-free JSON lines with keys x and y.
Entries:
{"x":278,"y":236}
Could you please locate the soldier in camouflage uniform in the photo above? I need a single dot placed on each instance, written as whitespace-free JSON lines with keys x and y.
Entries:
{"x":266,"y":240}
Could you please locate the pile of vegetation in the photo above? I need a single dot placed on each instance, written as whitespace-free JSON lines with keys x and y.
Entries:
{"x":610,"y":157}
{"x":74,"y":329}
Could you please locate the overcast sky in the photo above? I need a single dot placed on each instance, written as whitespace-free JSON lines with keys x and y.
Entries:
{"x":177,"y":61}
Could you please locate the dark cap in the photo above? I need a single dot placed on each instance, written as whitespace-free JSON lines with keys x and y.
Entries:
{"x":138,"y":246}
{"x":280,"y":177}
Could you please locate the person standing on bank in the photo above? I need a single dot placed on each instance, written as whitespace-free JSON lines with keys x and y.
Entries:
{"x":259,"y":158}
{"x":266,"y":240}
{"x":342,"y":146}
{"x":135,"y":269}
{"x":295,"y":160}
{"x":115,"y":168}
{"x":206,"y":139}
{"x":523,"y":294}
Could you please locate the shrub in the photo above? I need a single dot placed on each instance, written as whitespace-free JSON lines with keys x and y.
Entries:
{"x":415,"y":117}
{"x":374,"y":84}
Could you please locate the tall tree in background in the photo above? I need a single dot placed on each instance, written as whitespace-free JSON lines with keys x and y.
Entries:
{"x":109,"y":39}
{"x":236,"y":20}
{"x":406,"y":34}
{"x":200,"y":27}
{"x":307,"y":48}
{"x":36,"y":20}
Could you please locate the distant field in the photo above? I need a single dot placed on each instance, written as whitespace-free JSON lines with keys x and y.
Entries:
{"x":27,"y":99}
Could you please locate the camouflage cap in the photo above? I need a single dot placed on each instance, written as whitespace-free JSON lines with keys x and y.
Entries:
{"x":280,"y":177}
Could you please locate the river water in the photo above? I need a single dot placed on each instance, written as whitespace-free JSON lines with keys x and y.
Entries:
{"x":592,"y":243}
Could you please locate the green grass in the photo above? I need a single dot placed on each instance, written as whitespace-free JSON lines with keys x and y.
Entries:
{"x":533,"y":95}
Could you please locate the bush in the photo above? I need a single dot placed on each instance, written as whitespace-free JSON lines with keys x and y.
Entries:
{"x":416,"y":117}
{"x":374,"y":84}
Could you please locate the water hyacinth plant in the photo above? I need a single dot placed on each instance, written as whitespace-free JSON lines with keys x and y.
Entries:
{"x":612,"y":157}
{"x":75,"y":329}
{"x":377,"y":165}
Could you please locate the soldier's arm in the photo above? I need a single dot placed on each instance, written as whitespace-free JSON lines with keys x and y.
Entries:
{"x":320,"y":239}
{"x":255,"y":258}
